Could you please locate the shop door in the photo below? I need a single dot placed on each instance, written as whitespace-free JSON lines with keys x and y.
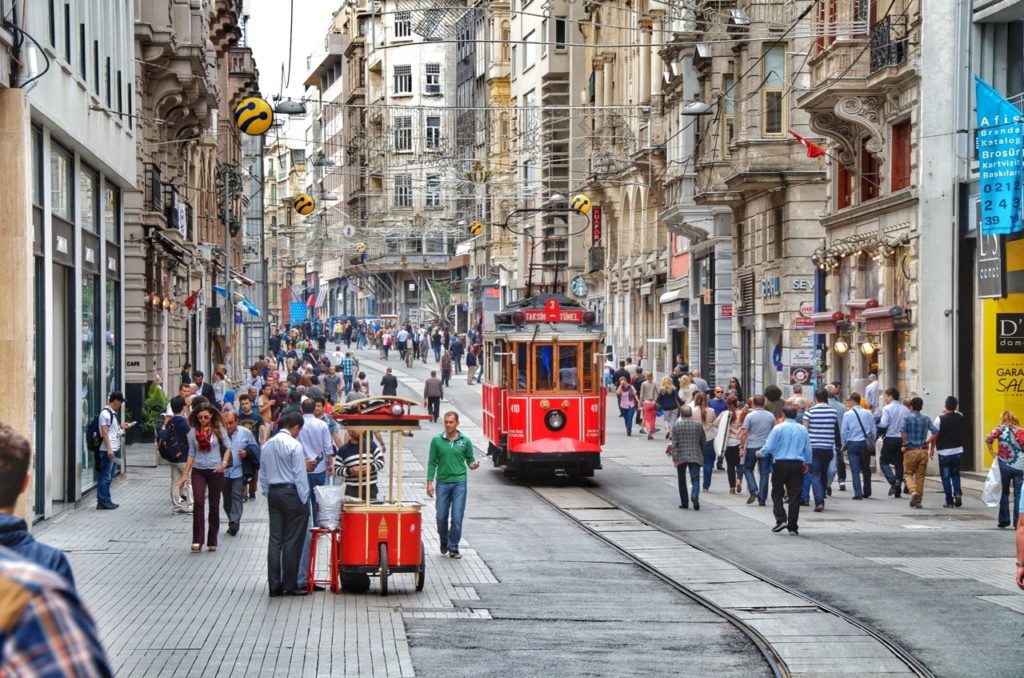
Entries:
{"x":62,"y":441}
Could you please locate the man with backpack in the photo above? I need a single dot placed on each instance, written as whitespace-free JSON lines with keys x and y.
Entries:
{"x":172,"y":444}
{"x":110,"y":434}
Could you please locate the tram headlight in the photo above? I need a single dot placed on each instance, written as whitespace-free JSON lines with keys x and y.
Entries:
{"x":555,"y":420}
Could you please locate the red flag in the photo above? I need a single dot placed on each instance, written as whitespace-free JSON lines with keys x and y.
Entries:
{"x":190,"y":301}
{"x":813,"y":149}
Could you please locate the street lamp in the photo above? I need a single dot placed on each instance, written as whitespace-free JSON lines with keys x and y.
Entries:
{"x":290,"y":107}
{"x":696,"y":108}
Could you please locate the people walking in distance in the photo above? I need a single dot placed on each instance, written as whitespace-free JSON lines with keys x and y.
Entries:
{"x":822,"y":424}
{"x":1010,"y":454}
{"x":250,"y":419}
{"x":705,"y":416}
{"x":627,"y":403}
{"x":838,"y":465}
{"x":283,"y":481}
{"x":208,"y":457}
{"x":457,"y":350}
{"x":111,"y":435}
{"x":858,"y":432}
{"x":801,"y":402}
{"x":203,"y":387}
{"x":186,"y":373}
{"x":332,"y":384}
{"x":733,"y":437}
{"x":916,"y":429}
{"x":891,"y":428}
{"x":699,"y":381}
{"x":718,"y":404}
{"x":15,"y":458}
{"x":668,"y":401}
{"x":871,"y":394}
{"x":773,"y":401}
{"x":687,"y":452}
{"x":948,"y":441}
{"x":446,"y":368}
{"x":433,"y":391}
{"x":451,"y":453}
{"x":435,"y":344}
{"x":389,"y":383}
{"x":649,"y":404}
{"x":734,"y":388}
{"x":401,"y":339}
{"x":386,"y":339}
{"x":348,"y":366}
{"x":471,"y":363}
{"x":638,"y":379}
{"x":354,"y":465}
{"x":790,"y":448}
{"x":756,"y":426}
{"x":410,"y":349}
{"x":176,"y":431}
{"x":243,"y":446}
{"x":356,"y":393}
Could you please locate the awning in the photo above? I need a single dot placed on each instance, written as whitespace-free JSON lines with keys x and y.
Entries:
{"x":825,"y":321}
{"x":674,"y":295}
{"x":235,"y":275}
{"x":881,"y":318}
{"x":321,"y":297}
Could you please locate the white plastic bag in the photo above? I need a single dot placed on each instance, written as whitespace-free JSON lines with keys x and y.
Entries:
{"x":993,"y":486}
{"x":329,"y":497}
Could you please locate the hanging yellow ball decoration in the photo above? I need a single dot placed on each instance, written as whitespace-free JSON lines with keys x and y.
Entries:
{"x":304,"y":204}
{"x":476,"y":228}
{"x":580,"y":204}
{"x":360,"y":248}
{"x":253,"y":116}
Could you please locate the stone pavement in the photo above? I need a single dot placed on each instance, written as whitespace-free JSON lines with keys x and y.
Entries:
{"x":165,"y":611}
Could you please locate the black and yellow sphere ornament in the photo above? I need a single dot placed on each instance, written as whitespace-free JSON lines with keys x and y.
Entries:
{"x":360,"y":248}
{"x":304,"y":204}
{"x":580,"y":203}
{"x":476,"y":228}
{"x":253,"y":116}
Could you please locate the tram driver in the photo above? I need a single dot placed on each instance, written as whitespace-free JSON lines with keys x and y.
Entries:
{"x":354,"y":468}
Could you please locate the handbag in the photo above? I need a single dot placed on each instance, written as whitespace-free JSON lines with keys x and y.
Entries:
{"x":868,"y":441}
{"x":993,"y":489}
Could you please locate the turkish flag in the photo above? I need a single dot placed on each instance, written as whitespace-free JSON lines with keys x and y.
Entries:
{"x":813,"y":149}
{"x":190,"y":301}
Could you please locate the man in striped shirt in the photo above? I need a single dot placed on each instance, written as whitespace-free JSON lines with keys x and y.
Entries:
{"x":356,"y":465}
{"x":822,"y":424}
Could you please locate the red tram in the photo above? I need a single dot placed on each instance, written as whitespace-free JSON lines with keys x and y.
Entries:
{"x":543,"y":392}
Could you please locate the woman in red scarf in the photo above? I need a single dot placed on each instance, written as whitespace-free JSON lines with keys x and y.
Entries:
{"x":208,"y":456}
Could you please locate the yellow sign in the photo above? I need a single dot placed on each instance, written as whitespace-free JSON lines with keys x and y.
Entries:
{"x":1002,"y":337}
{"x":382,"y":529}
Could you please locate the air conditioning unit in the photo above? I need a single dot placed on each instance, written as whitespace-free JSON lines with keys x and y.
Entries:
{"x":204,"y":252}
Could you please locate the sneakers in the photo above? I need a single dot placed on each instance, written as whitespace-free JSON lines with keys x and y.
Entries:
{"x":842,"y":487}
{"x":455,"y":555}
{"x":947,"y":505}
{"x":106,"y":506}
{"x":958,"y":501}
{"x":444,"y":550}
{"x":779,"y":527}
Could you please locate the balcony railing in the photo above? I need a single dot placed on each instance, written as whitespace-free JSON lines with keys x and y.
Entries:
{"x":889,"y":42}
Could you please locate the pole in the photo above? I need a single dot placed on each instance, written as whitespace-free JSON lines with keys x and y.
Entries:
{"x":229,"y":320}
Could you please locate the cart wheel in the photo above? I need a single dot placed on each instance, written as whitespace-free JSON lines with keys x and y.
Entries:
{"x":421,"y":572}
{"x":382,"y":551}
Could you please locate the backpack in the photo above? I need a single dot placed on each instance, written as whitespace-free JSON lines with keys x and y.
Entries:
{"x":93,"y":436}
{"x":169,"y":444}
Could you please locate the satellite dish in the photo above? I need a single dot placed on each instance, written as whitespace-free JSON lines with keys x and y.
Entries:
{"x":348,"y":230}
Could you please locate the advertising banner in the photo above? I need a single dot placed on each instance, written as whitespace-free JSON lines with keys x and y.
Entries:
{"x":1000,"y":144}
{"x":1003,"y":351}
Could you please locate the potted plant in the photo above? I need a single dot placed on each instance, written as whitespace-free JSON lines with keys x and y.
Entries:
{"x":153,"y":408}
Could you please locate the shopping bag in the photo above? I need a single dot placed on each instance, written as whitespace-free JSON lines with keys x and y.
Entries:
{"x":993,"y":489}
{"x":330,"y":497}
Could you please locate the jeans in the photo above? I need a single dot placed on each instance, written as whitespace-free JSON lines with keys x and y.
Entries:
{"x":949,"y":470}
{"x":201,"y":480}
{"x":106,"y":476}
{"x":628,"y":413}
{"x":437,"y":354}
{"x":891,"y":460}
{"x":348,"y":382}
{"x":764,"y":469}
{"x":694,"y":472}
{"x":451,"y":498}
{"x":458,"y":364}
{"x":709,"y":463}
{"x":837,"y":465}
{"x":821,"y":459}
{"x":788,"y":475}
{"x":860,"y":468}
{"x":315,"y":480}
{"x":1009,"y":475}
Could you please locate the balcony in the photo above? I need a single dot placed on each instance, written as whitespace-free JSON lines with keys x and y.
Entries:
{"x":889,"y":40}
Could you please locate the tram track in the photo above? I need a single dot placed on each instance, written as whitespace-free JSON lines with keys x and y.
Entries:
{"x":650,"y":546}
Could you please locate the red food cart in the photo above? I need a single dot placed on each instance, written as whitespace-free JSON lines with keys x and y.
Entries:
{"x":383,"y":536}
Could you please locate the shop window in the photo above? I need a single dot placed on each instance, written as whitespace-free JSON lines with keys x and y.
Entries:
{"x":869,"y":174}
{"x":61,"y":183}
{"x":110,"y":339}
{"x":900,"y":155}
{"x":89,"y":370}
{"x":88,"y":185}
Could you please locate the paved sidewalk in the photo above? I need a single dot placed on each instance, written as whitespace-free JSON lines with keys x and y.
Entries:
{"x":163,"y":610}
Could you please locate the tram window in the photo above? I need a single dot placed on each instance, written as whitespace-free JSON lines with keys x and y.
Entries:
{"x":589,"y":368}
{"x":543,"y":368}
{"x":568,"y":371}
{"x":522,"y":359}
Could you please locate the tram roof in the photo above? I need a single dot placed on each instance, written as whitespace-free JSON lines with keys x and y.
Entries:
{"x":547,"y":332}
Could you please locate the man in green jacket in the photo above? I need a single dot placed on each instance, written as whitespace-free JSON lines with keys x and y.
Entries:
{"x":450,"y":454}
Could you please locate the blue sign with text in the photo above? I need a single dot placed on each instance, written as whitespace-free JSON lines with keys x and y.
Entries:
{"x":1000,"y":145}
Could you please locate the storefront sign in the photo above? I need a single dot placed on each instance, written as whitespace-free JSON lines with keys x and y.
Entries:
{"x":1002,"y":350}
{"x":595,"y":224}
{"x":879,"y":324}
{"x":801,"y":356}
{"x":806,"y":308}
{"x":803,"y":284}
{"x":799,"y":375}
{"x":991,"y":266}
{"x":771,"y":287}
{"x":1009,"y":333}
{"x":726,"y":310}
{"x":579,"y":286}
{"x":802,"y":323}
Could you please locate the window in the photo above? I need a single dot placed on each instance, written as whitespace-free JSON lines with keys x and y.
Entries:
{"x":728,"y":121}
{"x":865,"y":10}
{"x":112,"y":213}
{"x":109,"y":85}
{"x":544,"y":37}
{"x":403,"y":133}
{"x":869,"y":175}
{"x":844,"y":186}
{"x":826,"y":23}
{"x":53,"y":23}
{"x":403,"y":24}
{"x":514,"y":62}
{"x":82,"y":51}
{"x":543,"y":368}
{"x":433,"y":190}
{"x":741,"y":242}
{"x":61,"y":184}
{"x":900,"y":155}
{"x":403,"y":79}
{"x":529,"y":54}
{"x":433,"y":132}
{"x":777,"y":234}
{"x":67,"y":33}
{"x":773,"y":74}
{"x":432,"y":79}
{"x":403,"y":190}
{"x":559,"y":34}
